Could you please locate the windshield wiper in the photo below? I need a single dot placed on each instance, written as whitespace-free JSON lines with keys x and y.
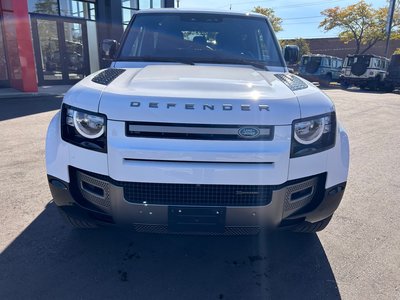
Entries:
{"x":257,"y":64}
{"x":158,"y":59}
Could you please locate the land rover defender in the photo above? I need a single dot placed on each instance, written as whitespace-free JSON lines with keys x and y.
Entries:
{"x":197,"y":127}
{"x":364,"y":71}
{"x":320,"y":68}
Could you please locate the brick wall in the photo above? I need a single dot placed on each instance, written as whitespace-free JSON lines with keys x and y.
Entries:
{"x":335,"y":47}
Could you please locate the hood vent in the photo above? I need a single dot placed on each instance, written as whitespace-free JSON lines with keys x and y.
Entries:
{"x":292,"y":82}
{"x":107,"y":76}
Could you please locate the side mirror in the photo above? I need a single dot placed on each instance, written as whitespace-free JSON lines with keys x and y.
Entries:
{"x":108,"y":49}
{"x":291,"y":54}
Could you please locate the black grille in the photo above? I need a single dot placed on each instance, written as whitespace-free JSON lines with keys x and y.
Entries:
{"x":107,"y":76}
{"x":199,"y":131}
{"x":192,"y":194}
{"x":201,"y":195}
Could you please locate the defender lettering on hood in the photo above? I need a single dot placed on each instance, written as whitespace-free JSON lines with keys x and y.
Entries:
{"x":191,"y":106}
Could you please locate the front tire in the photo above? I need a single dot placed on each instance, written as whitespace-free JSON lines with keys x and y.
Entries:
{"x":312,"y":227}
{"x":344,"y":85}
{"x":326,"y":81}
{"x":389,"y":88}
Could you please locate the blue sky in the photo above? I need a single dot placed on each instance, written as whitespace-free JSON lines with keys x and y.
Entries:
{"x":300,"y":18}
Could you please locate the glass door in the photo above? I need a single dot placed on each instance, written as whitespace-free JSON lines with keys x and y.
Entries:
{"x":74,"y":51}
{"x":61,"y":50}
{"x":4,"y":80}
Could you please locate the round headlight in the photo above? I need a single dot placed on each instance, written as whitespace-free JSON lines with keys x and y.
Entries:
{"x":308,"y":132}
{"x":89,"y":126}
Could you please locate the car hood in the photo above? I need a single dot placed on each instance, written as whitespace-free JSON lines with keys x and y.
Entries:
{"x":199,"y":94}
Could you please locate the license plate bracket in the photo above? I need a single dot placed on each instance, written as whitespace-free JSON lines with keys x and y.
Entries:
{"x":198,"y":219}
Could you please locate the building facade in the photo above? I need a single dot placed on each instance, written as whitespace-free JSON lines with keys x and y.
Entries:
{"x":47,"y":42}
{"x":335,"y":47}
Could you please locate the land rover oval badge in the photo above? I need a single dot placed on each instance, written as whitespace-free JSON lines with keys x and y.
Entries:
{"x":249,"y":132}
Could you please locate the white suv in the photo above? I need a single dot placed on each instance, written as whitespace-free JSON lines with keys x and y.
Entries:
{"x":364,"y":71}
{"x":197,"y":127}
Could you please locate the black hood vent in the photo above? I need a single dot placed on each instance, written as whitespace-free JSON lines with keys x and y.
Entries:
{"x":107,"y":76}
{"x":293,"y":82}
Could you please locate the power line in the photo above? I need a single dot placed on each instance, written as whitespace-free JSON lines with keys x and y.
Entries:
{"x":300,"y":18}
{"x":307,"y":4}
{"x":299,"y":23}
{"x":285,"y":6}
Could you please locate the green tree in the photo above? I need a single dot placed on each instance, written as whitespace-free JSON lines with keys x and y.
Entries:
{"x":360,"y":23}
{"x":303,"y":45}
{"x":270,"y":14}
{"x":397,"y":51}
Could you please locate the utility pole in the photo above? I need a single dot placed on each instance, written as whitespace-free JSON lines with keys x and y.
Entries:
{"x":392,"y":8}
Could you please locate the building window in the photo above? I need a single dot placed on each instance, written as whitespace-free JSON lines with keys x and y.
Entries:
{"x":128,"y":9}
{"x":47,"y":7}
{"x":157,"y":4}
{"x":78,"y":9}
{"x":143,"y":4}
{"x":3,"y":62}
{"x":84,"y":9}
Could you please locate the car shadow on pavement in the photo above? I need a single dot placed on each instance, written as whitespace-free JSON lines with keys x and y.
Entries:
{"x":20,"y":107}
{"x":50,"y":260}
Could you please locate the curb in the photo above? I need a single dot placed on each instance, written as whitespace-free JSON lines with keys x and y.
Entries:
{"x":28,"y":95}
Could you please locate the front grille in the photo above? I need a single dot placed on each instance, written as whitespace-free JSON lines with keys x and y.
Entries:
{"x":208,"y":194}
{"x":193,"y":194}
{"x":199,"y":131}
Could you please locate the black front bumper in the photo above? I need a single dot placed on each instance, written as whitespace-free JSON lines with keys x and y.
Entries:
{"x":198,"y":218}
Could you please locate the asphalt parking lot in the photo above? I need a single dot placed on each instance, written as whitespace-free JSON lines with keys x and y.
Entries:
{"x":356,"y":257}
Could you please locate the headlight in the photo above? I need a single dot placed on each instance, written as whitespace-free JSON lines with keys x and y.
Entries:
{"x":88,"y":125}
{"x":83,"y":128}
{"x":312,"y":135}
{"x":308,"y":132}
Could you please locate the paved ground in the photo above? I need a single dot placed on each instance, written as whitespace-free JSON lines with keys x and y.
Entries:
{"x":356,"y":257}
{"x":43,"y":91}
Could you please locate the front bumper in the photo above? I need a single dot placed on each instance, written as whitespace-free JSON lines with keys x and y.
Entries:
{"x":101,"y":198}
{"x":103,"y":195}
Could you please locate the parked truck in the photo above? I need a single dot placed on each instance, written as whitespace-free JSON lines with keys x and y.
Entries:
{"x":393,"y":76}
{"x":320,"y":68}
{"x":365,"y":72}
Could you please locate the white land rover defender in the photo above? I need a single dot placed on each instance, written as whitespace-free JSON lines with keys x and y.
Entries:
{"x":197,"y":127}
{"x":364,"y":71}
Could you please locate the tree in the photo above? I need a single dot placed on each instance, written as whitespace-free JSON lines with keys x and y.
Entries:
{"x":360,"y":23}
{"x":303,"y":45}
{"x":397,"y":51}
{"x":270,"y":14}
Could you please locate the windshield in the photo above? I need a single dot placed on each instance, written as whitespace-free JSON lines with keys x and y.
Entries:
{"x":201,"y":37}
